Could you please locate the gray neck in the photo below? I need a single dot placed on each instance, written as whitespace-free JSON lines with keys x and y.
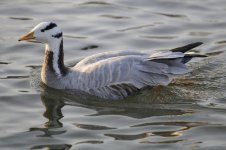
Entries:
{"x":53,"y":65}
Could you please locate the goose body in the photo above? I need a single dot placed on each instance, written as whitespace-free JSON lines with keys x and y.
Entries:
{"x":111,"y":75}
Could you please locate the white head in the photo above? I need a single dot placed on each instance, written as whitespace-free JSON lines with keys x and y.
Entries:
{"x":51,"y":35}
{"x":44,"y":32}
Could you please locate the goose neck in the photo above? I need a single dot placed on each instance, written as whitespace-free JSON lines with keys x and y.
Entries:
{"x":54,"y":58}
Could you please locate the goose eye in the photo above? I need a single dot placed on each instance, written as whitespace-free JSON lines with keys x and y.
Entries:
{"x":58,"y":35}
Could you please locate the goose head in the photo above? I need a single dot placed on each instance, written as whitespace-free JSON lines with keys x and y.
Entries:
{"x":49,"y":34}
{"x":44,"y":32}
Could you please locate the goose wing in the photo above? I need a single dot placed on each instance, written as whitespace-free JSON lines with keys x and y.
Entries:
{"x":106,"y":55}
{"x":119,"y":74}
{"x":118,"y":77}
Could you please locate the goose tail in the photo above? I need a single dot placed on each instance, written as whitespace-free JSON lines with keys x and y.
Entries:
{"x":186,"y":48}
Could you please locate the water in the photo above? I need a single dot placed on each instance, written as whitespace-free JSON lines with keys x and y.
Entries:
{"x":187,"y":114}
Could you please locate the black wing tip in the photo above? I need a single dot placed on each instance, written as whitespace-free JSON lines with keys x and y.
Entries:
{"x":203,"y":56}
{"x":186,"y":48}
{"x":196,"y":44}
{"x":195,"y":55}
{"x":188,"y":57}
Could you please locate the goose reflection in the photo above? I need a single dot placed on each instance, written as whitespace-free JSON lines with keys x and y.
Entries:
{"x":54,"y":100}
{"x":53,"y":111}
{"x":148,"y":104}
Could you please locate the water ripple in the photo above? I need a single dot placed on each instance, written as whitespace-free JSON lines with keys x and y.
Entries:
{"x":92,"y":127}
{"x":187,"y":114}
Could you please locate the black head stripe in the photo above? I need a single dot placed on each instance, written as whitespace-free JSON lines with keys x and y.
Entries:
{"x":58,"y":35}
{"x":50,"y":26}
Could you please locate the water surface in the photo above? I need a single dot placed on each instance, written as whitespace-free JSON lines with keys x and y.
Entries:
{"x":187,"y":114}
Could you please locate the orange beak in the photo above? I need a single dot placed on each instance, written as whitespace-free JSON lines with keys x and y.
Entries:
{"x":27,"y":37}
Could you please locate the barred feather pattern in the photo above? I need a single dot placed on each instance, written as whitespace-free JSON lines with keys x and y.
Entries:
{"x":118,"y":74}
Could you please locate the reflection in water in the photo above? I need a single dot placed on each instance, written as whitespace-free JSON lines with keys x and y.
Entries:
{"x":136,"y":27}
{"x":53,"y":111}
{"x":53,"y":147}
{"x":4,"y":63}
{"x":157,"y":37}
{"x":90,"y":142}
{"x":75,"y":37}
{"x":221,"y":42}
{"x":14,"y":77}
{"x":140,"y":109}
{"x":53,"y":126}
{"x":203,"y":34}
{"x":47,"y":132}
{"x":180,"y":116}
{"x":129,"y":137}
{"x":138,"y":113}
{"x":158,"y":102}
{"x":95,"y":3}
{"x":161,"y":142}
{"x":114,"y":16}
{"x":173,"y":133}
{"x":54,"y":100}
{"x":181,"y":123}
{"x":173,"y":15}
{"x":90,"y":47}
{"x":92,"y":127}
{"x":20,"y":18}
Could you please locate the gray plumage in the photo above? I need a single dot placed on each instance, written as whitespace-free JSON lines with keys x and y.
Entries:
{"x":110,"y":75}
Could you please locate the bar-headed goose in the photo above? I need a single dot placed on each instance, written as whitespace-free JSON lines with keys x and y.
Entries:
{"x":111,"y":75}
